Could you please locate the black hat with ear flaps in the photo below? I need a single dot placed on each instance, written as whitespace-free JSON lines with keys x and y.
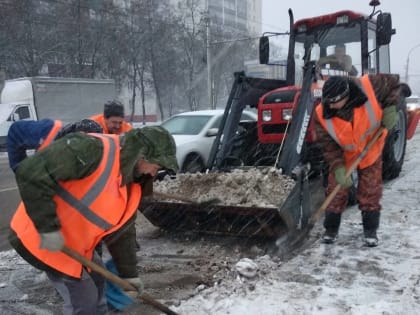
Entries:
{"x":335,"y":89}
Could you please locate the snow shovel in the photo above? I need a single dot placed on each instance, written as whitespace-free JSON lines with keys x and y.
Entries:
{"x":117,"y":280}
{"x":294,"y":238}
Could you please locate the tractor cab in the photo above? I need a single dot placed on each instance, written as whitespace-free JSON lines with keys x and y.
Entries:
{"x":345,"y":41}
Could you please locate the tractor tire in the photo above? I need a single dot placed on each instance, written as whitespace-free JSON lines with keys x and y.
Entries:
{"x":395,"y":144}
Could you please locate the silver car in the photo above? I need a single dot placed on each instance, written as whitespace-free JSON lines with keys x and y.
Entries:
{"x":194,"y":134}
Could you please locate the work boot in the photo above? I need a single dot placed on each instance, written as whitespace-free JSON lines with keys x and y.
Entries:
{"x":370,"y":221}
{"x":331,"y":224}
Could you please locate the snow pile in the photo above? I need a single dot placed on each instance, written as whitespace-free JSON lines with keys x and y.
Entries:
{"x":260,"y":187}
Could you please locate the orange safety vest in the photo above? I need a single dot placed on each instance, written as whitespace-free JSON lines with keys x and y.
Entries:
{"x":100,"y":119}
{"x":51,"y":135}
{"x":354,"y":136}
{"x":88,"y":209}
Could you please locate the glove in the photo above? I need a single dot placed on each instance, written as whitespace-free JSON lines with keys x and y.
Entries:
{"x":340,"y":177}
{"x":138,"y":284}
{"x":389,"y":117}
{"x":52,"y":241}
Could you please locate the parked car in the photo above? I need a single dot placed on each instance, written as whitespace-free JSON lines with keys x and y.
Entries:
{"x":194,"y":134}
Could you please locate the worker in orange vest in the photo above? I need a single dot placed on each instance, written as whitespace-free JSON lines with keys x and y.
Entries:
{"x":346,"y":119}
{"x":112,"y":119}
{"x":68,"y":189}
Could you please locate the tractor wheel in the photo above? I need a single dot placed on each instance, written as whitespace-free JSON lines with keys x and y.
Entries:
{"x":394,"y":149}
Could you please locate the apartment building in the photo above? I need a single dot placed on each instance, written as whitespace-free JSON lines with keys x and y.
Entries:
{"x":243,"y":16}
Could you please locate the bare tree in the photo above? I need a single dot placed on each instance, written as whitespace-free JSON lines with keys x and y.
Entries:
{"x":164,"y":54}
{"x":230,"y":50}
{"x":193,"y":44}
{"x":26,"y":37}
{"x":140,"y":44}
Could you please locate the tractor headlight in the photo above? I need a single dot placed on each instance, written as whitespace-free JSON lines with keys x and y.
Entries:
{"x":287,"y":114}
{"x":266,"y":115}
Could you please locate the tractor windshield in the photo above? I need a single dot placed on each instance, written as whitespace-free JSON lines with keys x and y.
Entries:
{"x":334,"y":48}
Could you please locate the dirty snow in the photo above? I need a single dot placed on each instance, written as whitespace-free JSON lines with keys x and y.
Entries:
{"x":261,"y":187}
{"x":344,"y":278}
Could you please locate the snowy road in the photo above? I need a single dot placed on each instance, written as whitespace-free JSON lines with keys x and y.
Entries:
{"x":9,"y":199}
{"x":198,"y":276}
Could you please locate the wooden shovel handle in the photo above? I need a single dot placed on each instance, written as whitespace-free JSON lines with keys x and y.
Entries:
{"x":115,"y":279}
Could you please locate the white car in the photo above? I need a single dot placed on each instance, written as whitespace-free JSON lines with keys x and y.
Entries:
{"x":194,"y":134}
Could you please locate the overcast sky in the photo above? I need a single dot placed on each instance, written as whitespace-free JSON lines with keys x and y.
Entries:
{"x":405,"y":19}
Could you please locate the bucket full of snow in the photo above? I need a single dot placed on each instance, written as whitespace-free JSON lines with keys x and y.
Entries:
{"x":258,"y":202}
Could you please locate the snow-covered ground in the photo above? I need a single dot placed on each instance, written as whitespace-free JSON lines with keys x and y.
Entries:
{"x":344,"y":278}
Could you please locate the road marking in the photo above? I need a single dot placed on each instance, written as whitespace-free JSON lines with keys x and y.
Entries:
{"x":7,"y":189}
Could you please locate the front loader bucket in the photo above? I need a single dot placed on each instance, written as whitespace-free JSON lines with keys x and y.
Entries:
{"x":233,"y":220}
{"x":215,"y":219}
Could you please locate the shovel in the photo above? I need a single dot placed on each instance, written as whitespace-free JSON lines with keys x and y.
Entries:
{"x":117,"y":280}
{"x":296,"y":237}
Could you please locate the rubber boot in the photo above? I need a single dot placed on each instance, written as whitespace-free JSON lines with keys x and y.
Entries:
{"x":331,"y":224}
{"x":370,"y":221}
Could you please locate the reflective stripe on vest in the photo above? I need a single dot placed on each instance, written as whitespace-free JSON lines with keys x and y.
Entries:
{"x":83,"y":204}
{"x":353,"y":136}
{"x":331,"y":131}
{"x":375,"y":122}
{"x":51,"y":135}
